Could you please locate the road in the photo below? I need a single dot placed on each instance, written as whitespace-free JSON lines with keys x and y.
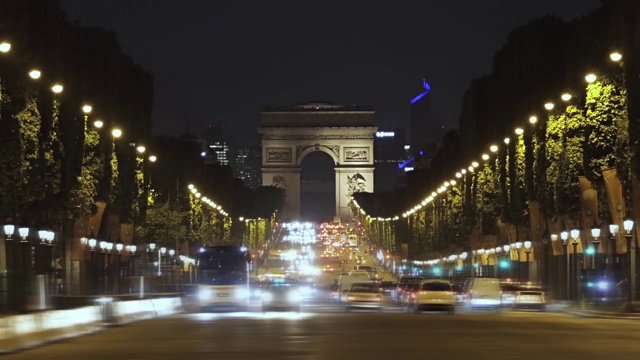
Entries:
{"x":325,"y":333}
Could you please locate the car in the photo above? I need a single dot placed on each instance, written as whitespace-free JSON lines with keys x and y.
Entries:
{"x":484,"y":293}
{"x":396,"y":294}
{"x":509,"y":291}
{"x":364,"y":295}
{"x":388,"y":287}
{"x":284,"y":296}
{"x":435,"y":295}
{"x":532,"y":298}
{"x":409,"y":294}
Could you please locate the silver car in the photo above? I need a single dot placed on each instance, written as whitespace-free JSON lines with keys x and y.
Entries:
{"x":530,"y":299}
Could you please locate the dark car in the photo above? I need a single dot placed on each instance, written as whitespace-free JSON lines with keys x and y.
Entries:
{"x":283,"y":297}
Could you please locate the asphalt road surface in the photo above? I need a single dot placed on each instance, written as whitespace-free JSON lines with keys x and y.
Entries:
{"x":323,"y":332}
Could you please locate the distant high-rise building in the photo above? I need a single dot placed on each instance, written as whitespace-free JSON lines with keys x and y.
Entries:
{"x":247,"y":162}
{"x":218,"y":144}
{"x":424,"y":128}
{"x":389,"y":153}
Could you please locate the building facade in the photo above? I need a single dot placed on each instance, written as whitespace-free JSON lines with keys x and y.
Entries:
{"x":389,"y":153}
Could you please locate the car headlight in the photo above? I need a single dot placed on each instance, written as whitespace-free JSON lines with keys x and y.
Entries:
{"x":267,"y":297}
{"x":241,"y":293}
{"x":205,"y":294}
{"x":293,"y":296}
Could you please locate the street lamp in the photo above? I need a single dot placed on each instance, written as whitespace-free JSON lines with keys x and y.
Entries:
{"x":615,"y":56}
{"x":628,"y":228}
{"x":590,"y":78}
{"x":57,"y":88}
{"x":35,"y":74}
{"x":87,"y":109}
{"x":153,"y":158}
{"x":549,"y":106}
{"x":564,"y":235}
{"x":9,"y":230}
{"x":595,"y":234}
{"x":5,"y":47}
{"x":98,"y":124}
{"x":527,"y":251}
{"x":24,"y":232}
{"x":518,"y":246}
{"x":575,"y":235}
{"x":141,"y":149}
{"x":116,"y":133}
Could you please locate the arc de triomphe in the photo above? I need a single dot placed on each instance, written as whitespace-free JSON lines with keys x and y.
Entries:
{"x":345,"y":133}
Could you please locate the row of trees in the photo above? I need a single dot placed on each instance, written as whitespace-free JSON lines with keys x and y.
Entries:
{"x":56,"y":165}
{"x":539,"y":168}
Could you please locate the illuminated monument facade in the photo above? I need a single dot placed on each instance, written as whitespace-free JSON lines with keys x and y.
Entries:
{"x":345,"y":133}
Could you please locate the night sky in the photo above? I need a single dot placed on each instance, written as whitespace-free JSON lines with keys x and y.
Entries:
{"x":221,"y":61}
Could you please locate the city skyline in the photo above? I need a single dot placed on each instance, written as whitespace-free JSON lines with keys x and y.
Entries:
{"x":233,"y":59}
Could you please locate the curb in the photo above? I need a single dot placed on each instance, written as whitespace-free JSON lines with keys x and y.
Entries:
{"x":27,"y":331}
{"x":601,"y":315}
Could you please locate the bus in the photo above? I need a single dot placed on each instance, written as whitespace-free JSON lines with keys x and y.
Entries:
{"x":222,"y":275}
{"x":353,"y":240}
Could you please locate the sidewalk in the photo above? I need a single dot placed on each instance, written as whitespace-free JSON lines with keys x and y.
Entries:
{"x":598,"y":311}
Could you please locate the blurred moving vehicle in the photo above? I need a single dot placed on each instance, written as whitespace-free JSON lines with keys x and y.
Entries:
{"x":509,"y":291}
{"x":345,"y":282}
{"x":285,"y":297}
{"x":327,"y":269}
{"x":484,"y":293}
{"x":530,"y":298}
{"x":388,"y":287}
{"x":435,"y":295}
{"x":396,"y":294}
{"x":364,"y":295}
{"x":222,"y":274}
{"x":409,"y":294}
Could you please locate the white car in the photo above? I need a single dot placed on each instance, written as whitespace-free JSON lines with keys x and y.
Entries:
{"x":435,"y":295}
{"x":530,"y":299}
{"x":364,"y":295}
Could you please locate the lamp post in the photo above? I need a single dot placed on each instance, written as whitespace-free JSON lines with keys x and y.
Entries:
{"x":628,"y":228}
{"x":564,"y":235}
{"x":553,"y":266}
{"x":497,"y":251}
{"x":611,"y":248}
{"x":527,"y":251}
{"x":151,"y":253}
{"x":518,"y":246}
{"x":463,"y":257}
{"x":507,"y":256}
{"x":545,"y":259}
{"x":575,"y":235}
{"x":119,"y":247}
{"x":481,"y":265}
{"x":595,"y":234}
{"x":163,"y":250}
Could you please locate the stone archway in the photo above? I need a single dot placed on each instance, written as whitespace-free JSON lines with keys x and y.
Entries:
{"x":345,"y":133}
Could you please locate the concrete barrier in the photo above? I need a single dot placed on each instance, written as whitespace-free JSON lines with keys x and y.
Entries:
{"x":24,"y":331}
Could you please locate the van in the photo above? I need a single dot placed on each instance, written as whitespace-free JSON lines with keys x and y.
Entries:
{"x":484,"y":293}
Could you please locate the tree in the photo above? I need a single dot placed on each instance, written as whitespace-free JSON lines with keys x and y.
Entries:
{"x":605,"y":107}
{"x":163,"y":226}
